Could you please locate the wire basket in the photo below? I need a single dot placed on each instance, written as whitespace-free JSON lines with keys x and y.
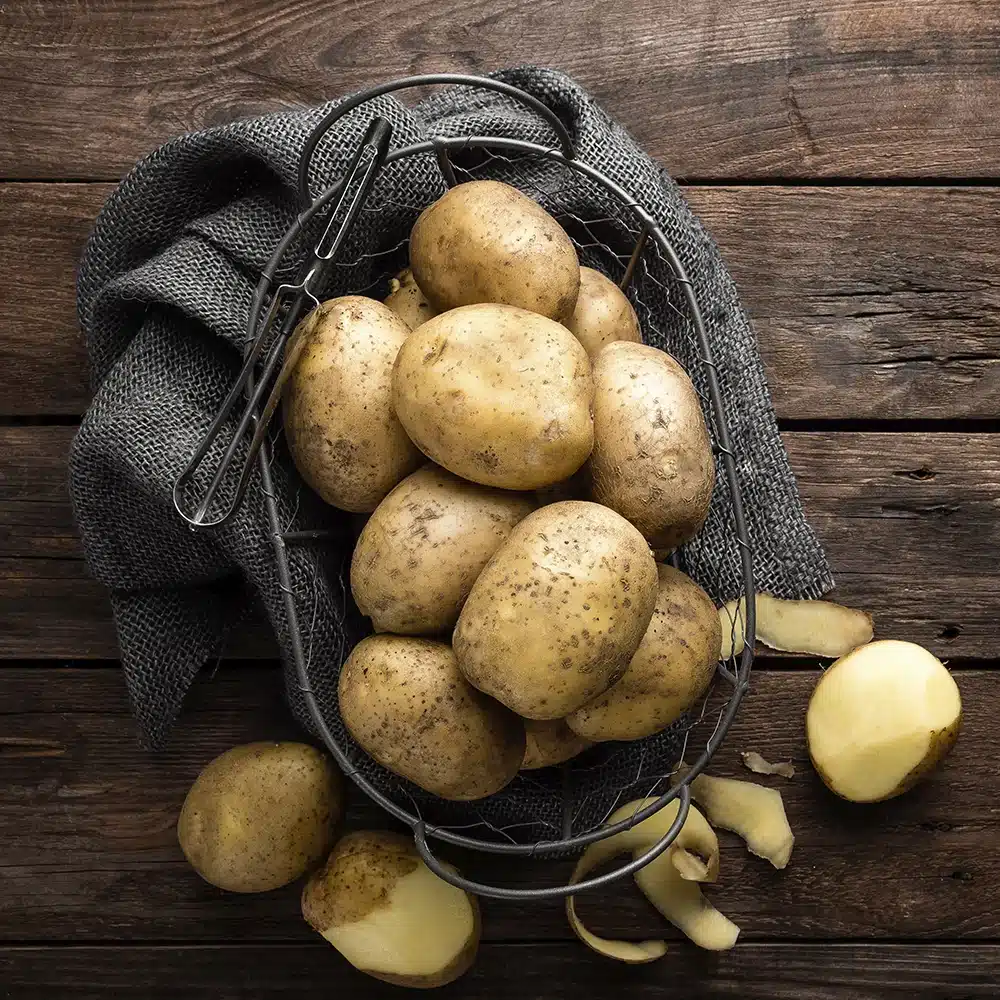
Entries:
{"x":557,"y":810}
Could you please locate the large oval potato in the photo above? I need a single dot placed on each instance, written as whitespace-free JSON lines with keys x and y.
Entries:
{"x":498,"y":395}
{"x":671,"y":669}
{"x":407,"y":301}
{"x":344,"y":438}
{"x":408,"y":705}
{"x":261,"y":815}
{"x":559,"y":611}
{"x":484,"y":241}
{"x":602,"y":314}
{"x":652,"y":459}
{"x":421,"y":551}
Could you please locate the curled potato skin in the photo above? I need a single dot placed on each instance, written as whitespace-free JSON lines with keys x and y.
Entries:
{"x":485,"y":241}
{"x":652,"y":460}
{"x":497,"y":395}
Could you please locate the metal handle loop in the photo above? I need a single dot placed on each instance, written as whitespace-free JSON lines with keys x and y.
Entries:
{"x":408,"y":82}
{"x":557,"y":891}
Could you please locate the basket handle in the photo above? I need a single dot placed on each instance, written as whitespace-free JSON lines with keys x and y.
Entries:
{"x":405,"y":83}
{"x":556,"y":891}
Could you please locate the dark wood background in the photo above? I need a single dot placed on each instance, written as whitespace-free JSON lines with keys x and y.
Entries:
{"x":845,"y":155}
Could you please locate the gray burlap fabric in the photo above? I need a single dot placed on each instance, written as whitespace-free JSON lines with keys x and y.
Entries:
{"x":165,"y":286}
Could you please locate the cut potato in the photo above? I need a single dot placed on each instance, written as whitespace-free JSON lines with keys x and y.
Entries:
{"x":670,"y":882}
{"x":389,"y":915}
{"x":550,"y":742}
{"x":880,"y":719}
{"x":818,"y":628}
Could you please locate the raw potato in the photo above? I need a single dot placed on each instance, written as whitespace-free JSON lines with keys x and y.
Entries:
{"x":755,"y":812}
{"x":670,"y":671}
{"x":669,"y":882}
{"x":497,"y":395}
{"x":405,"y":701}
{"x":421,"y":551}
{"x":820,"y":628}
{"x":389,"y":915}
{"x":261,"y":815}
{"x":652,"y":459}
{"x":550,"y":742}
{"x":559,"y":611}
{"x":407,"y":301}
{"x":881,"y":718}
{"x":343,"y":435}
{"x":602,"y":314}
{"x":484,"y":241}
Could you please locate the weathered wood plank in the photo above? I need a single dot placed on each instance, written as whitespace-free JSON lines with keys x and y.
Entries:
{"x":90,"y":850}
{"x":909,"y":521}
{"x":869,"y":303}
{"x":753,"y":89}
{"x":502,"y":971}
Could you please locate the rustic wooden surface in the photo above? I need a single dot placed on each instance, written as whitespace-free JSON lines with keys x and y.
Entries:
{"x":846,"y":157}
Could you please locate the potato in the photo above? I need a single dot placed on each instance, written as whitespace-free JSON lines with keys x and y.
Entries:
{"x":559,"y":611}
{"x":424,"y":546}
{"x":407,"y":301}
{"x":602,"y":314}
{"x":671,"y":669}
{"x":484,"y":241}
{"x":550,"y":742}
{"x":389,"y":915}
{"x":652,"y":460}
{"x":881,"y":718}
{"x":405,"y":701}
{"x":344,"y":438}
{"x":261,"y":815}
{"x":497,"y":395}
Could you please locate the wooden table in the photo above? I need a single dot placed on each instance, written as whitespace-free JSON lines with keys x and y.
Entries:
{"x":845,"y":156}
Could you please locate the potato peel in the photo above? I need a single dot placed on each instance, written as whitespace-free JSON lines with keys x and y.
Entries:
{"x":754,"y":812}
{"x":816,"y":628}
{"x":670,"y":882}
{"x":753,"y":761}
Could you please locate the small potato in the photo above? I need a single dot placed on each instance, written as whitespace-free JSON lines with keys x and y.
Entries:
{"x":602,"y":314}
{"x":671,"y":669}
{"x":559,"y":610}
{"x":408,"y":705}
{"x":484,"y":241}
{"x":261,"y":815}
{"x":652,"y":460}
{"x":550,"y":742}
{"x":497,"y":395}
{"x":344,"y":438}
{"x":389,"y":915}
{"x":407,"y":301}
{"x":421,"y":551}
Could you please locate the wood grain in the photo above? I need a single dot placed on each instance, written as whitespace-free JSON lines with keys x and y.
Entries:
{"x":754,"y":88}
{"x":90,"y":851}
{"x":878,"y":303}
{"x":909,"y":522}
{"x":511,"y":972}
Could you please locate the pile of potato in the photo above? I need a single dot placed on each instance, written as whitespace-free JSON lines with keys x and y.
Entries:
{"x":521,"y":455}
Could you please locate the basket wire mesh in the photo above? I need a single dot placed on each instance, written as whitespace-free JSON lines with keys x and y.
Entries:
{"x":613,"y":234}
